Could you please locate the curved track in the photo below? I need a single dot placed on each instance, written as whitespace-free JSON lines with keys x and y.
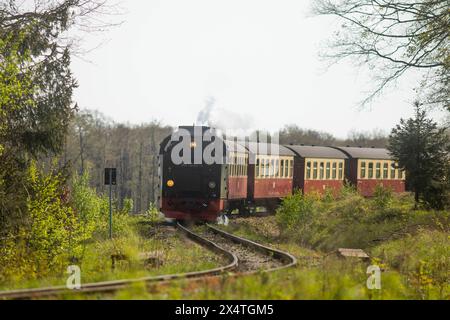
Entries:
{"x":242,"y":260}
{"x":252,"y":257}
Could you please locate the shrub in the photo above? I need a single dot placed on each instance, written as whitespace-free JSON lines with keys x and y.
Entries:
{"x":382,"y":196}
{"x":296,"y":213}
{"x":50,"y":235}
{"x":425,"y":258}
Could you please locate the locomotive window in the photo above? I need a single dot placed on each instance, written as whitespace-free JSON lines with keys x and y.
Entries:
{"x":314,"y":170}
{"x":363,"y":170}
{"x":321,"y":172}
{"x":341,"y":170}
{"x":308,"y":170}
{"x":370,"y":170}
{"x":385,"y":170}
{"x":378,"y":170}
{"x":328,"y":172}
{"x":392,"y":170}
{"x":333,"y":175}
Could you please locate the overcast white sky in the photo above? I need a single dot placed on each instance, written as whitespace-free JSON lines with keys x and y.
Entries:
{"x":257,"y":58}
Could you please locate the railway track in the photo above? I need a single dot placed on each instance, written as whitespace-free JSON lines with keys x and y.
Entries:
{"x":242,"y":255}
{"x":252,"y":257}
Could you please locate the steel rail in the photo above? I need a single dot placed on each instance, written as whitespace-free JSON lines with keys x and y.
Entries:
{"x":288,"y":259}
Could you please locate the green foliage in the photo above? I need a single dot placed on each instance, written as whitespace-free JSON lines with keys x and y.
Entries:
{"x":422,"y":148}
{"x":51,"y":235}
{"x":153,"y":214}
{"x":127,"y":206}
{"x":91,"y":209}
{"x":351,"y":220}
{"x":424,"y":258}
{"x":382,"y":196}
{"x":296,"y":213}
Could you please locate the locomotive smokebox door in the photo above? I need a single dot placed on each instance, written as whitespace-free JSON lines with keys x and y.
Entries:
{"x":110,"y":176}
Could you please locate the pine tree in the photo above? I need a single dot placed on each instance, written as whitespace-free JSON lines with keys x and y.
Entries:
{"x":422,"y":149}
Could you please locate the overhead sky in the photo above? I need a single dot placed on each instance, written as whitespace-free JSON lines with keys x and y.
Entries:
{"x":255,"y":62}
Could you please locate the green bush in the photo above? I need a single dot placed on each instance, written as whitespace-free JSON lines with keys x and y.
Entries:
{"x":351,"y":220}
{"x":50,"y":234}
{"x":382,"y":196}
{"x":296,"y":214}
{"x":425,"y":258}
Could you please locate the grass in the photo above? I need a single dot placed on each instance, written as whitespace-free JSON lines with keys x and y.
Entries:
{"x":169,"y":252}
{"x":412,"y":247}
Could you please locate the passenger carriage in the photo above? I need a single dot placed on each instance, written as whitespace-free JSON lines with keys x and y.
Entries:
{"x":368,"y":168}
{"x":317,"y":169}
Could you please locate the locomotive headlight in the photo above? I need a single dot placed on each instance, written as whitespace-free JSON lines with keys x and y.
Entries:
{"x":212,"y":184}
{"x":170,"y":183}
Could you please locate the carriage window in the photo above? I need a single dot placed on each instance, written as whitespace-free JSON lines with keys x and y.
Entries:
{"x":286,"y":168}
{"x":400,"y":174}
{"x":314,"y":170}
{"x":363,"y":169}
{"x":385,"y":170}
{"x":260,"y":164}
{"x":239,"y":167}
{"x":263,"y":167}
{"x":321,"y":171}
{"x":291,"y":167}
{"x":333,"y":175}
{"x":266,"y":168}
{"x":308,"y":170}
{"x":230,"y":166}
{"x":328,"y":172}
{"x":282,"y":168}
{"x":242,"y":166}
{"x":272,"y":168}
{"x":257,"y":168}
{"x":370,"y":170}
{"x":277,"y":168}
{"x":341,"y":170}
{"x":233,"y":166}
{"x":392,"y":170}
{"x":378,"y":170}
